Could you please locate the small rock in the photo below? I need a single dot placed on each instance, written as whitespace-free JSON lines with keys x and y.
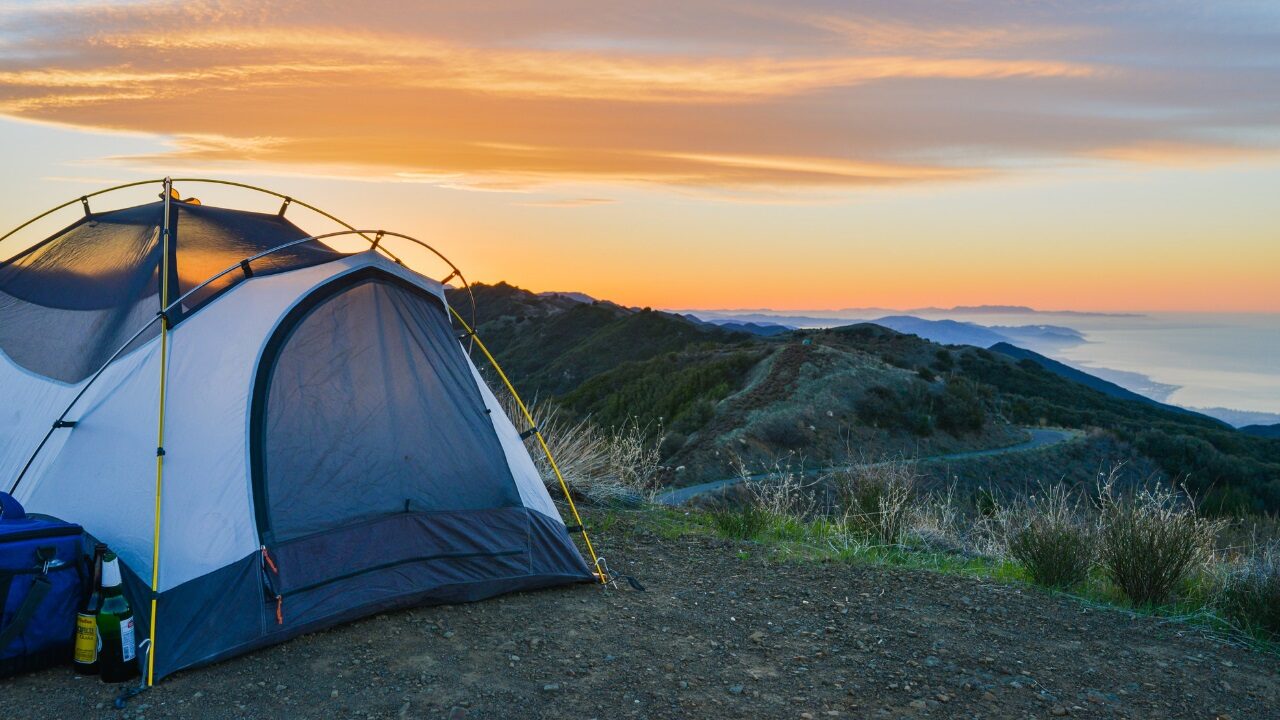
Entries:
{"x":735,"y":689}
{"x":1059,"y":711}
{"x":334,"y":694}
{"x":989,"y":696}
{"x":551,"y":687}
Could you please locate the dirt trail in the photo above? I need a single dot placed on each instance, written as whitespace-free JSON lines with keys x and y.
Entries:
{"x":720,"y":634}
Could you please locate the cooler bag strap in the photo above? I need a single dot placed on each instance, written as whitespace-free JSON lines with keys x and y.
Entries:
{"x":39,"y":589}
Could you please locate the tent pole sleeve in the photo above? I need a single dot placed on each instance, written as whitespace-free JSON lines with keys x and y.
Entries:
{"x":564,"y":487}
{"x":164,"y":381}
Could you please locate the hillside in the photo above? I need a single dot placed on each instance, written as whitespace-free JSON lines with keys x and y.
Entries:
{"x":1266,"y":431}
{"x":822,"y":397}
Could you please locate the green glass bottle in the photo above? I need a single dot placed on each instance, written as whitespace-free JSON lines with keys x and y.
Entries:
{"x":117,"y":660}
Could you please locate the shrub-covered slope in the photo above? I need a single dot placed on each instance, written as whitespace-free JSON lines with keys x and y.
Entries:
{"x":829,"y":396}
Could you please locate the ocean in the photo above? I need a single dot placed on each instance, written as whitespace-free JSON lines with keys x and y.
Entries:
{"x":1196,"y":360}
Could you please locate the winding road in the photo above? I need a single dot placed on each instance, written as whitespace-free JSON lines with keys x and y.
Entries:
{"x":1040,"y":438}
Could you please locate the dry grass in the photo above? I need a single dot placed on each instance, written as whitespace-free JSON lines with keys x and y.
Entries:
{"x":603,"y":466}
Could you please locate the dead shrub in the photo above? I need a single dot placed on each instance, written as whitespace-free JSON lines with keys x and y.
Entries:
{"x":875,"y":498}
{"x":1249,"y":595}
{"x":1052,"y":540}
{"x":1150,"y":541}
{"x":781,"y":491}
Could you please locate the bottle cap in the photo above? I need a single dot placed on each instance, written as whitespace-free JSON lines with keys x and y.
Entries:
{"x":110,"y":570}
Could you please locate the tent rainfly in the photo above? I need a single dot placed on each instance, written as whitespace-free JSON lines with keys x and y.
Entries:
{"x":274,"y":436}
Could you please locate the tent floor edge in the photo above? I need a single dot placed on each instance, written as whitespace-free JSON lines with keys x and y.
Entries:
{"x":225,"y":613}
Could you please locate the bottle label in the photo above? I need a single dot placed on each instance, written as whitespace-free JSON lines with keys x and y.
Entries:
{"x":126,"y":639}
{"x":86,"y":648}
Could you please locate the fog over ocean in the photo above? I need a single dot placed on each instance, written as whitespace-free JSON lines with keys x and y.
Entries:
{"x":1196,"y":360}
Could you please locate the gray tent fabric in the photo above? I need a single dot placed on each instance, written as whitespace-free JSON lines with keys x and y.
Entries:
{"x":71,"y":300}
{"x":366,"y":392}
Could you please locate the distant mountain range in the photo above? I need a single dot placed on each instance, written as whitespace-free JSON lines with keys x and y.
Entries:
{"x":947,"y":332}
{"x":761,"y":329}
{"x":848,"y":314}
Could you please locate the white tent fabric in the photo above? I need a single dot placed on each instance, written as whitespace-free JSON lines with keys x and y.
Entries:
{"x":213,"y":359}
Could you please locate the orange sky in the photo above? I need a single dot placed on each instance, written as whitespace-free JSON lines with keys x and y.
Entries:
{"x":702,"y":154}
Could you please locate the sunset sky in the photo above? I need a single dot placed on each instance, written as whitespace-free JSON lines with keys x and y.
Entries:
{"x":692,"y":153}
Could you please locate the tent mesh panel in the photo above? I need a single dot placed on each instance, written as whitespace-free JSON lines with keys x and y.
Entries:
{"x":69,"y":302}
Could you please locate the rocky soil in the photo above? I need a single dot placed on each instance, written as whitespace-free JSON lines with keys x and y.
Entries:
{"x":719,"y":634}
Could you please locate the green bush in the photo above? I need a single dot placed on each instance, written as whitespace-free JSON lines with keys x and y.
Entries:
{"x":782,"y":432}
{"x":1250,"y":593}
{"x":744,"y":522}
{"x":1052,"y":543}
{"x":962,"y":407}
{"x":1150,"y":542}
{"x":905,"y":409}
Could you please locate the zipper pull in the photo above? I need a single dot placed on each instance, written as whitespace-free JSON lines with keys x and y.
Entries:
{"x":266,"y":558}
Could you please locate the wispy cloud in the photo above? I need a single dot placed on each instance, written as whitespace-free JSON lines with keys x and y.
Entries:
{"x":692,"y":94}
{"x":569,"y":202}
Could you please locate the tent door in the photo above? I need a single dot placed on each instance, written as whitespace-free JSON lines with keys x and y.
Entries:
{"x":367,"y":427}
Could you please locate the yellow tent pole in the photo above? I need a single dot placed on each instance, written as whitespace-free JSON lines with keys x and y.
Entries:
{"x":164,"y":378}
{"x":564,"y":487}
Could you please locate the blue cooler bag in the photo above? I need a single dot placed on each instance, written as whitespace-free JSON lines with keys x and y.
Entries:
{"x":40,"y":588}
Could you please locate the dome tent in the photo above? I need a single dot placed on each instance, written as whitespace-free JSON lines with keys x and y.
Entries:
{"x":326,"y":447}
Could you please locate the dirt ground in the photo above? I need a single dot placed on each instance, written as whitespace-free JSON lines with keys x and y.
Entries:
{"x":717,"y":635}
